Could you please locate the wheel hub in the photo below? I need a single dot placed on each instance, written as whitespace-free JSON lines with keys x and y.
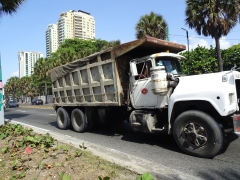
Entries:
{"x":195,"y":134}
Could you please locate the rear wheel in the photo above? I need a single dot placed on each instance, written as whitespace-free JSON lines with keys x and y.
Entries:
{"x":78,"y":120}
{"x":198,"y":134}
{"x":63,"y":119}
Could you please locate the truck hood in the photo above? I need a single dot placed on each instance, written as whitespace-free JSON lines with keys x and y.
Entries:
{"x":222,"y":95}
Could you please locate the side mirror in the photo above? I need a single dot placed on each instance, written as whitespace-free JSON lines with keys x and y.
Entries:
{"x":133,"y":69}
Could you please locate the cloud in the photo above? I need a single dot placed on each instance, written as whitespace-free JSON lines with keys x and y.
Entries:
{"x":16,"y":73}
{"x":194,"y":42}
{"x":224,"y":44}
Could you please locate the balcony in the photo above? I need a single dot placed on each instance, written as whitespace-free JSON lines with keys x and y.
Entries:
{"x":78,"y":33}
{"x":78,"y":28}
{"x":78,"y":17}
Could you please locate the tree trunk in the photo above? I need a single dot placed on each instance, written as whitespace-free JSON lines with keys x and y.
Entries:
{"x":46,"y":90}
{"x":219,"y":57}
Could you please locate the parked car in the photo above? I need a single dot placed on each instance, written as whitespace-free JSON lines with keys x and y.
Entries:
{"x":37,"y":102}
{"x":12,"y":103}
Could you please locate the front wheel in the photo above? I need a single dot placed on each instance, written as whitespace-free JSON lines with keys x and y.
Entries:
{"x":198,"y":134}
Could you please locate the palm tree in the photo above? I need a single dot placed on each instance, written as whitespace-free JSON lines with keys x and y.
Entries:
{"x":111,"y":44}
{"x":24,"y":85}
{"x":9,"y":6}
{"x":213,"y":18}
{"x":7,"y":89}
{"x":41,"y":70}
{"x":12,"y":85}
{"x":153,"y":25}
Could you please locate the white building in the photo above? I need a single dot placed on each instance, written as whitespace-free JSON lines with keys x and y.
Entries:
{"x":75,"y":24}
{"x":27,"y":61}
{"x":51,"y":39}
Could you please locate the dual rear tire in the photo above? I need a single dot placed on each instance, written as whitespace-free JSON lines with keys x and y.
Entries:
{"x":63,"y":119}
{"x":78,"y":120}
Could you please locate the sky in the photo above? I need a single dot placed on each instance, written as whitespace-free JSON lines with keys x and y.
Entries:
{"x":114,"y":20}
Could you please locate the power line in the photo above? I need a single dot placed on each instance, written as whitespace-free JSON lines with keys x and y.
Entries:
{"x":204,"y":37}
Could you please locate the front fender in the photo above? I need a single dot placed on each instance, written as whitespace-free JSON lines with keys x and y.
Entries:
{"x":218,"y":99}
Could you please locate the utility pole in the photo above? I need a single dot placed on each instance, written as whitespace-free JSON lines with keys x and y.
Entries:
{"x":188,"y":46}
{"x":1,"y":96}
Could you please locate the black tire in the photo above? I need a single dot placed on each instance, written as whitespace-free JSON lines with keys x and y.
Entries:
{"x":206,"y":141}
{"x":63,"y":119}
{"x":78,"y":121}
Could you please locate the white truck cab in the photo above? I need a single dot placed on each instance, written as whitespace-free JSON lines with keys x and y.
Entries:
{"x":197,"y":107}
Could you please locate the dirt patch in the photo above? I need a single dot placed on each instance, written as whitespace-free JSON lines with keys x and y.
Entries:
{"x":29,"y":156}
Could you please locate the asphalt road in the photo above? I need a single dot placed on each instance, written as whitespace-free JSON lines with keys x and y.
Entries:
{"x":158,"y":148}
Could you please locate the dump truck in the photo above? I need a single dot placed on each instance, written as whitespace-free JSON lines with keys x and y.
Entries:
{"x":142,"y":82}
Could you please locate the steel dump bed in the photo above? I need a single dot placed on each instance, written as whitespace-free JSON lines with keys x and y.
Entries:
{"x":101,"y":79}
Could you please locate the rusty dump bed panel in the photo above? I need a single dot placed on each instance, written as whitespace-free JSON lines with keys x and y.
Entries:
{"x":101,"y":79}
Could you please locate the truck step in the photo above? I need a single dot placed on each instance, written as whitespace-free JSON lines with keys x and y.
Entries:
{"x":158,"y":129}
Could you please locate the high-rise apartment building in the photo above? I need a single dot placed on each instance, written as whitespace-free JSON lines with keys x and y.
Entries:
{"x":75,"y":24}
{"x":27,"y":61}
{"x":51,"y":39}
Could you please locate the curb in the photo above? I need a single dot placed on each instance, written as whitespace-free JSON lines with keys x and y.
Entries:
{"x":37,"y":107}
{"x":125,"y":160}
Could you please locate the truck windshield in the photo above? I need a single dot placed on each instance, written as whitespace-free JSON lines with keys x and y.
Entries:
{"x":171,"y":64}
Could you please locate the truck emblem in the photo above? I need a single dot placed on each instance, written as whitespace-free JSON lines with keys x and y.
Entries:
{"x":144,"y":91}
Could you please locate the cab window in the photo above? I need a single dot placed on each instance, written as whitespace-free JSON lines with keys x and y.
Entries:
{"x":171,"y":64}
{"x":143,"y":70}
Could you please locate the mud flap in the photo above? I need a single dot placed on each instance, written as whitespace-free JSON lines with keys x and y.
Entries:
{"x":236,"y":123}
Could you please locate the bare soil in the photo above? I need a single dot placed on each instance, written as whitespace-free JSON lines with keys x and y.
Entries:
{"x":61,"y":161}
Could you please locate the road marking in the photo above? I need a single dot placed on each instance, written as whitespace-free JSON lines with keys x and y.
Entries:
{"x":52,"y":114}
{"x":68,"y":135}
{"x":27,"y":125}
{"x":20,"y":110}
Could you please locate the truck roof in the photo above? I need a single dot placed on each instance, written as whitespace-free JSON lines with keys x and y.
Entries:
{"x":149,"y":44}
{"x":141,"y":46}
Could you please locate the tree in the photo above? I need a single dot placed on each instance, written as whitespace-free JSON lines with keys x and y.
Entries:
{"x":9,"y":6}
{"x":231,"y":57}
{"x":213,"y":18}
{"x":41,"y":70}
{"x":153,"y":25}
{"x":11,"y":86}
{"x":24,"y":85}
{"x":72,"y":49}
{"x":201,"y":61}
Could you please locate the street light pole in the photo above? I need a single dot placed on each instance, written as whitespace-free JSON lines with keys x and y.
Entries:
{"x":187,"y":45}
{"x":187,"y":41}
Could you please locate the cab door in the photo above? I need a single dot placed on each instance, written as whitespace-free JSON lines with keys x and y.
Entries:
{"x":141,"y":93}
